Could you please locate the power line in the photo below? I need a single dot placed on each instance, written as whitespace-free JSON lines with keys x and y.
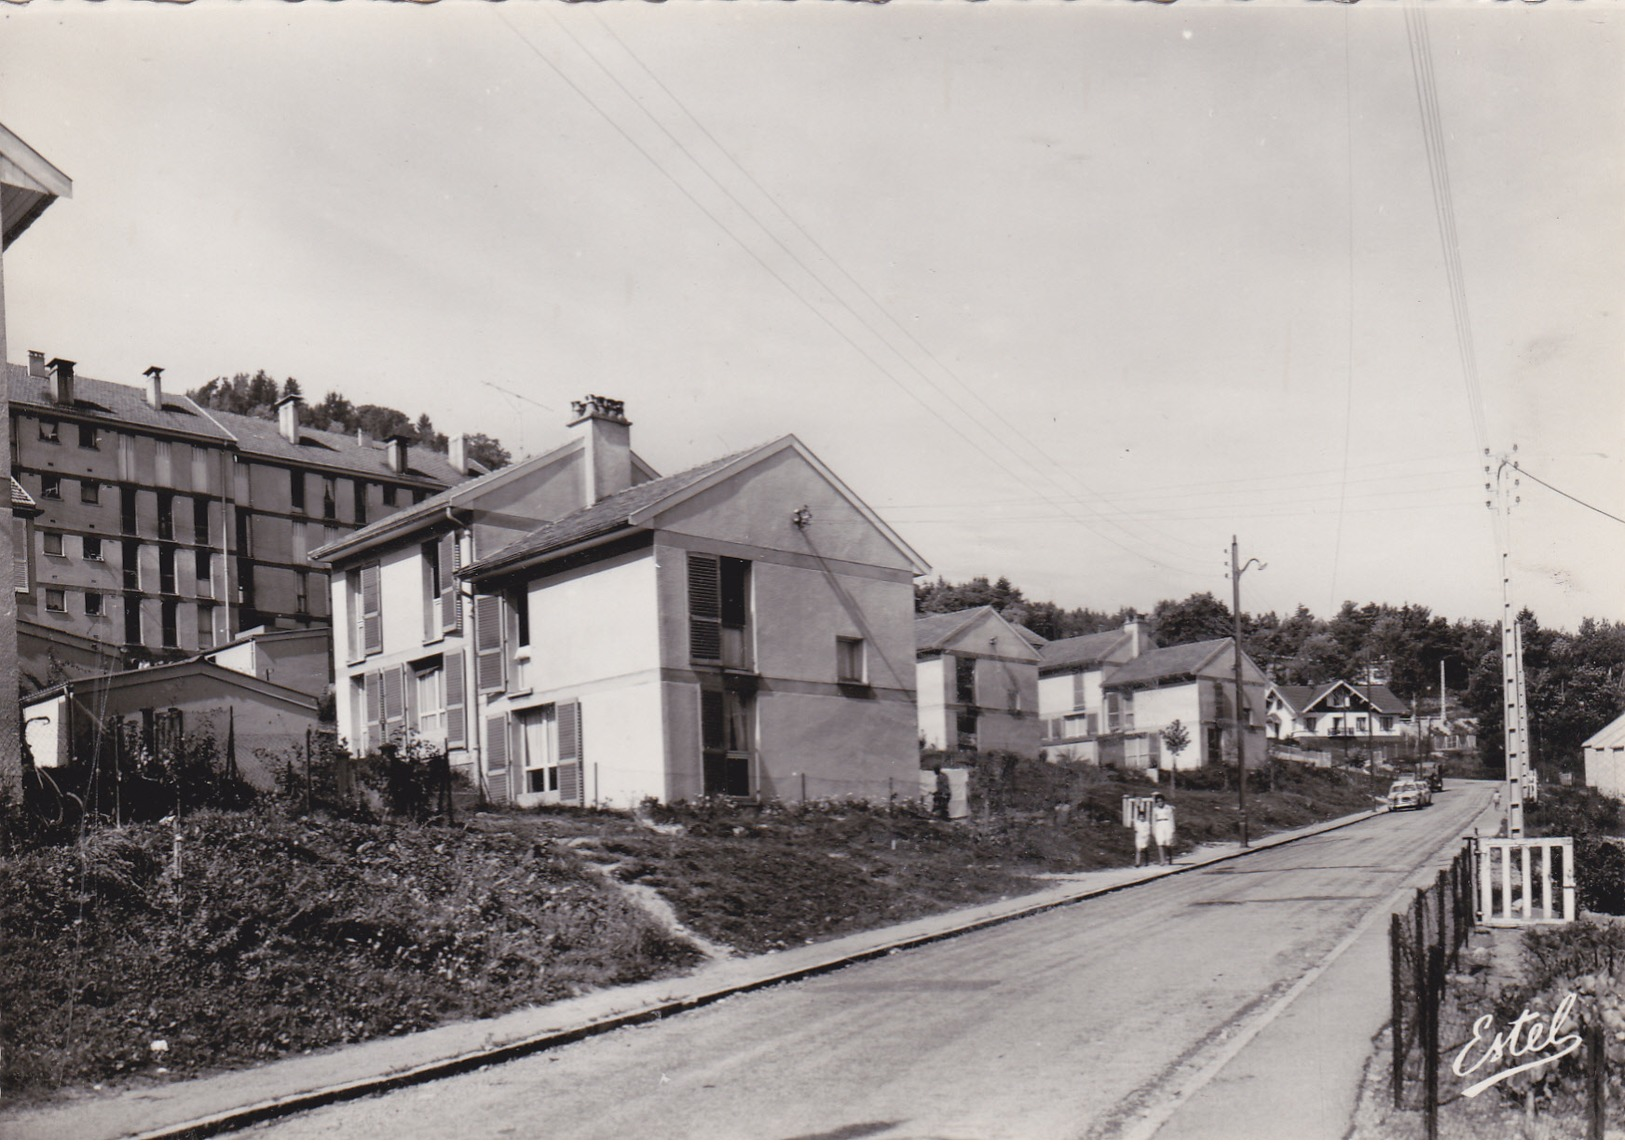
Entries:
{"x":1571,"y":496}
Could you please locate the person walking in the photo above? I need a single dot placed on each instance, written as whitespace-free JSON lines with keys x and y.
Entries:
{"x":1142,"y":830}
{"x":1162,"y":829}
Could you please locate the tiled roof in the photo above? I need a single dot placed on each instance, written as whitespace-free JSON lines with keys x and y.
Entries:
{"x":1080,"y":651}
{"x":1610,"y":738}
{"x":1383,"y":700}
{"x":111,"y":400}
{"x":258,"y":437}
{"x":1296,"y":695}
{"x":934,"y":629}
{"x":20,"y":500}
{"x":1163,"y":662}
{"x":1030,"y":636}
{"x":607,"y":515}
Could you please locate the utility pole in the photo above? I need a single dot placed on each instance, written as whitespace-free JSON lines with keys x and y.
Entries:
{"x":1236,"y":569}
{"x":1514,"y":706}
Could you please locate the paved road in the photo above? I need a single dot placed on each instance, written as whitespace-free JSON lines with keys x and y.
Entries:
{"x":1103,"y":1019}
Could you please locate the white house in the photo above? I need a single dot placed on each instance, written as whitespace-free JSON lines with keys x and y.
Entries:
{"x":743,"y":628}
{"x":1070,"y":703}
{"x":977,"y":678}
{"x":1605,"y":759}
{"x":1340,"y":716}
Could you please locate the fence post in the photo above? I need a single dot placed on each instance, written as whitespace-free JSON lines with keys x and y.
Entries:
{"x":307,"y":770}
{"x":1596,"y":1087}
{"x":1440,"y":888}
{"x":1419,"y":919}
{"x":1396,"y":990}
{"x":1432,"y":999}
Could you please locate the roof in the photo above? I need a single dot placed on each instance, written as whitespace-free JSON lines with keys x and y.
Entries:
{"x":1080,"y":651}
{"x":261,"y":438}
{"x":1296,"y":696}
{"x":1383,"y":701}
{"x":612,"y":513}
{"x":21,"y":503}
{"x":109,"y":400}
{"x":1610,"y":738}
{"x":196,"y":665}
{"x":1163,"y":662}
{"x":28,"y":184}
{"x":1029,"y":635}
{"x":934,"y":631}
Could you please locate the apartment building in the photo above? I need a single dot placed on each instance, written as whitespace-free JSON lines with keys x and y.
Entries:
{"x":166,"y":528}
{"x":743,"y":628}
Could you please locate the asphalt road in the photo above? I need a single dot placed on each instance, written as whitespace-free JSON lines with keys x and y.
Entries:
{"x":1102,"y":1019}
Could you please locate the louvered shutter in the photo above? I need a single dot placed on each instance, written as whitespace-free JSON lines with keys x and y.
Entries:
{"x":451,"y":604}
{"x":394,"y":700}
{"x":372,"y":619}
{"x":456,"y":705}
{"x":488,"y":643}
{"x":496,"y":759}
{"x":375,"y":710}
{"x":704,"y":607}
{"x":571,"y":758}
{"x":19,"y":565}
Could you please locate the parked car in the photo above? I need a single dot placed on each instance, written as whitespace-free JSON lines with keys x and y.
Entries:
{"x":1409,"y":794}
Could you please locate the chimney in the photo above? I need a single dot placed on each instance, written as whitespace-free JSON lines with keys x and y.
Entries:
{"x":36,"y":365}
{"x":457,"y":448}
{"x":155,"y":385}
{"x":601,"y":424}
{"x":1139,"y":635}
{"x":61,"y":380}
{"x":287,"y":417}
{"x":396,"y":444}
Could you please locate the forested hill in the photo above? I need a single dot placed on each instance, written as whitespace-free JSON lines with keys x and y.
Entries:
{"x":1576,"y":680}
{"x":256,"y":395}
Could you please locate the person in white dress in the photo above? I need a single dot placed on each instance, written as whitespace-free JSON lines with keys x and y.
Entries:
{"x":1162,"y":829}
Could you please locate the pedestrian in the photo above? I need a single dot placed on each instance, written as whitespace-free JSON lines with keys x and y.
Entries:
{"x":1142,"y":830}
{"x":1162,"y":829}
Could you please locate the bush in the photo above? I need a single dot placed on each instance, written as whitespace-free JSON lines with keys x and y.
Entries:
{"x":1593,"y":820}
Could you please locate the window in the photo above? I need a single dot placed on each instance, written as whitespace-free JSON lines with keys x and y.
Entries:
{"x":301,"y":593}
{"x":432,"y":587}
{"x":329,"y":505}
{"x":167,"y":613}
{"x":849,"y":665}
{"x":352,"y":592}
{"x":132,"y":620}
{"x":429,"y":700}
{"x":301,"y":543}
{"x":56,"y":600}
{"x":964,"y":680}
{"x":360,"y":503}
{"x":1119,"y":711}
{"x":725,"y":742}
{"x":166,"y":516}
{"x":204,"y":568}
{"x":966,"y":726}
{"x":166,"y":569}
{"x":1078,"y":703}
{"x":1387,"y":722}
{"x":200,"y":521}
{"x":538,"y":746}
{"x":50,"y":487}
{"x":165,"y":462}
{"x":53,"y":543}
{"x":517,"y":606}
{"x":132,"y":564}
{"x":296,"y":490}
{"x":126,"y":508}
{"x":93,"y":604}
{"x":1309,"y":722}
{"x":389,"y":495}
{"x":1360,"y":723}
{"x":92,"y":547}
{"x":1013,"y":695}
{"x":48,"y":431}
{"x":205,"y":625}
{"x":90,"y":492}
{"x":90,"y":437}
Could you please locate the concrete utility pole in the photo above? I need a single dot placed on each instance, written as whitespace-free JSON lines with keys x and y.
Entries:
{"x":1241,"y":730}
{"x":1514,"y":705}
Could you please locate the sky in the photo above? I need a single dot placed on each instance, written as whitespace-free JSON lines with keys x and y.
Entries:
{"x":1069,"y":293}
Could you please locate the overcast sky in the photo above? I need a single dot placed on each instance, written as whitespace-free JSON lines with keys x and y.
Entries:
{"x":1067,"y":293}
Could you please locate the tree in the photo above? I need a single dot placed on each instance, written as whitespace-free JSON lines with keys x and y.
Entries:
{"x":1198,"y":617}
{"x":488,"y":451}
{"x":1175,"y":738}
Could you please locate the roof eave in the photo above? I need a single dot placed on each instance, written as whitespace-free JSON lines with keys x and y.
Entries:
{"x":494,"y":568}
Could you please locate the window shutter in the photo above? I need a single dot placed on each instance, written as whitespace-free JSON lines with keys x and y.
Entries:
{"x":488,"y":643}
{"x":451,"y":604}
{"x":19,"y":567}
{"x":496,"y":759}
{"x":372,"y":619}
{"x":394,"y":709}
{"x":704,"y":607}
{"x":375,"y":710}
{"x":571,"y":757}
{"x":1077,"y":691}
{"x":456,"y":708}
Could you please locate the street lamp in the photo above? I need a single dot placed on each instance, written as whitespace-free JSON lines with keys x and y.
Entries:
{"x":1236,"y":569}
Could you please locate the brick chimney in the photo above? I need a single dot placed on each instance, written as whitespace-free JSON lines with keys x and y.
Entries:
{"x":36,"y":365}
{"x":61,"y":380}
{"x":155,"y":385}
{"x":601,"y":424}
{"x":287,"y":417}
{"x":1139,"y":635}
{"x":396,"y":444}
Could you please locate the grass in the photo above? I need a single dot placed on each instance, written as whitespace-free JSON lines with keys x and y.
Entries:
{"x":284,"y":935}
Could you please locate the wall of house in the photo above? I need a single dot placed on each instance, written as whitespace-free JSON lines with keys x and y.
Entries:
{"x":932,"y":680}
{"x":1155,"y":708}
{"x":1605,"y":770}
{"x":302,"y":661}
